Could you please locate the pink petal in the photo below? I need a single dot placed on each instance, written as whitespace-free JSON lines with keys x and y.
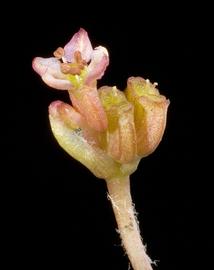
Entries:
{"x":97,"y":67}
{"x":79,"y":42}
{"x":49,"y":70}
{"x":42,"y":65}
{"x":56,"y":83}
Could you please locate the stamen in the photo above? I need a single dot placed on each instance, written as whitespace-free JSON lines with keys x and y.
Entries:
{"x":59,"y":53}
{"x":69,"y":69}
{"x":74,"y":68}
{"x":78,"y":58}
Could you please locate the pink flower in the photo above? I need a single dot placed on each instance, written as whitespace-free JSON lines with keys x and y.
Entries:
{"x":95,"y":61}
{"x":76,"y":68}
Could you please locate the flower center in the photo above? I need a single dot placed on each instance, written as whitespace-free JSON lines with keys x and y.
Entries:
{"x":74,"y":68}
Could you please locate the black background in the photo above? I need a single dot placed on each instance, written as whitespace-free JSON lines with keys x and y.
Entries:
{"x":57,"y":213}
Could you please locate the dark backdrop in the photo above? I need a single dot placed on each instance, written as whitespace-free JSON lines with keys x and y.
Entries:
{"x":57,"y":213}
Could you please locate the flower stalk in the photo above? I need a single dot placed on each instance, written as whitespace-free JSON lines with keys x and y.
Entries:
{"x":120,"y":197}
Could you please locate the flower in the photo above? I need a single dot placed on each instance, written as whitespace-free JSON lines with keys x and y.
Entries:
{"x":107,"y":130}
{"x":79,"y":64}
{"x":76,"y":68}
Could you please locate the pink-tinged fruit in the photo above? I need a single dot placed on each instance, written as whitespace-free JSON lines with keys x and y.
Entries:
{"x":150,"y":113}
{"x":120,"y":135}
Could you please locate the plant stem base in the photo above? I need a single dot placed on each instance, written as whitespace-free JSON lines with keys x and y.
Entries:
{"x":120,"y":196}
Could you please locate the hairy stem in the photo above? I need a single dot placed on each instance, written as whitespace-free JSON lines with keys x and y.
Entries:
{"x":119,"y":194}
